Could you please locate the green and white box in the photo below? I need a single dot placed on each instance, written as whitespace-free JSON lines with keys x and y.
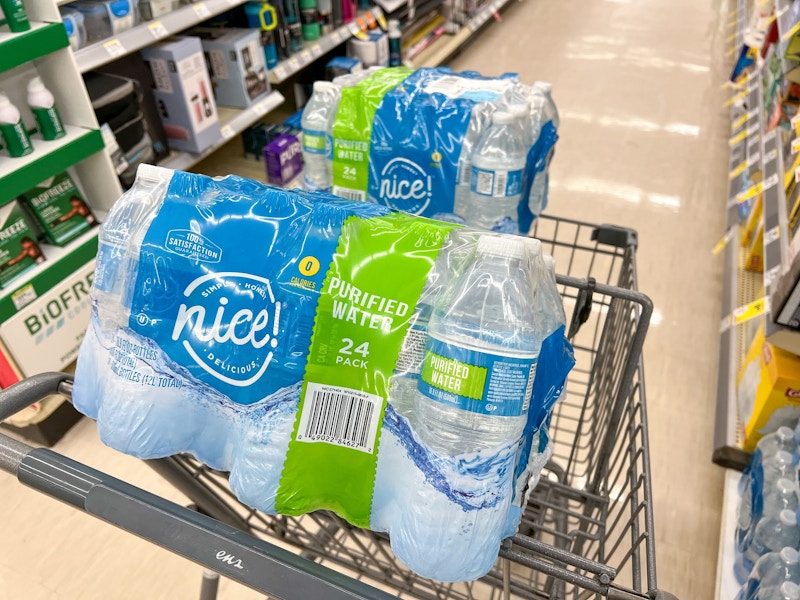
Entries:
{"x":19,"y":251}
{"x":60,"y":209}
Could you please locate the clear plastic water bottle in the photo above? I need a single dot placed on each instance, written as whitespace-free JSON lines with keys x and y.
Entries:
{"x":788,"y":590}
{"x":480,"y":358}
{"x":771,"y":570}
{"x":498,"y":161}
{"x":480,"y":119}
{"x":781,"y":439}
{"x":770,"y":535}
{"x":780,"y":465}
{"x":543,"y":109}
{"x":318,"y":118}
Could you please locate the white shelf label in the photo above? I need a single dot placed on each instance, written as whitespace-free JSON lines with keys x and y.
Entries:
{"x":769,"y":136}
{"x":771,"y":275}
{"x":23,"y":296}
{"x":306,"y":57}
{"x":336,"y":36}
{"x":771,"y":155}
{"x":201,"y":10}
{"x":158,"y":30}
{"x":114,"y":48}
{"x":797,"y":175}
{"x":753,"y":141}
{"x":280,"y":72}
{"x":293,"y":63}
{"x":772,"y":235}
{"x":316,"y":50}
{"x":260,"y":107}
{"x":771,"y":181}
{"x":795,"y":145}
{"x":227,"y":132}
{"x":754,"y":158}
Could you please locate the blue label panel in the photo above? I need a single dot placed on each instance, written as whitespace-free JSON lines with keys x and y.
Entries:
{"x":497,"y":183}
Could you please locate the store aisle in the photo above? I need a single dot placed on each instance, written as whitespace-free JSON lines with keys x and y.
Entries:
{"x":644,"y":144}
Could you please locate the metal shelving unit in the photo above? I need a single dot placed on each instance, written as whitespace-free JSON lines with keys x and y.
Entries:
{"x":234,"y":121}
{"x":149,"y":32}
{"x":447,"y":45}
{"x":313,"y":50}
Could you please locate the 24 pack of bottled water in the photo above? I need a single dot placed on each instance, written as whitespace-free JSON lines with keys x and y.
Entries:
{"x":453,"y":146}
{"x":329,"y":354}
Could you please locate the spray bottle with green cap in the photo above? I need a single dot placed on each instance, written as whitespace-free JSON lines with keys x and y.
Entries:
{"x":16,"y":16}
{"x":43,"y":106}
{"x":15,"y":136}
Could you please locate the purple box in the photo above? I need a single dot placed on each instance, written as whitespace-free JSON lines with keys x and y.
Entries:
{"x":284,"y":159}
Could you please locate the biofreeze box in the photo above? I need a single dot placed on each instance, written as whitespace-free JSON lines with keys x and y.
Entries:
{"x":183,"y":93}
{"x":238,"y":67}
{"x":60,"y":208}
{"x":46,"y":334}
{"x":18,"y":248}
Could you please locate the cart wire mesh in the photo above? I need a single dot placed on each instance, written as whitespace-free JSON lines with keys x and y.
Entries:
{"x":588,"y":527}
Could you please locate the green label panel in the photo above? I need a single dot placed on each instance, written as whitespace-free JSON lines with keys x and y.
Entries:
{"x":454,"y":376}
{"x":368,"y":297}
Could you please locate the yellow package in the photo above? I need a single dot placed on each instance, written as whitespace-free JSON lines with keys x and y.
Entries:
{"x":754,"y":260}
{"x":767,"y":390}
{"x":753,"y":219}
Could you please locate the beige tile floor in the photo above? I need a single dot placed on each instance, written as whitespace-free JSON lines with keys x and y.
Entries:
{"x":643,"y":144}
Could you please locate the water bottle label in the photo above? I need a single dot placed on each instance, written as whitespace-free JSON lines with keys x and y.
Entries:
{"x":496,"y":184}
{"x":315,"y":142}
{"x":412,"y":353}
{"x":480,"y":382}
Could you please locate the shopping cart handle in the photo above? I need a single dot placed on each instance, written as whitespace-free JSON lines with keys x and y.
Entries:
{"x":21,"y":395}
{"x":224,"y":549}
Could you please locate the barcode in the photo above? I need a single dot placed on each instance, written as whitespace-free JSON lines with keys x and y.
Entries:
{"x":339,"y":416}
{"x":483,"y":185}
{"x":500,"y":179}
{"x":349,"y":194}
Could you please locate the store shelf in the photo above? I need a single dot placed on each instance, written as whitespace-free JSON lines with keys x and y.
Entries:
{"x":727,"y":587}
{"x":149,"y":32}
{"x":18,"y":175}
{"x":313,"y":50}
{"x":440,"y":50}
{"x":234,"y":121}
{"x":42,"y":39}
{"x":60,"y":262}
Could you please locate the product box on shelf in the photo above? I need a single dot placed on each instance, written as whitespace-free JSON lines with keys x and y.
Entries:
{"x":342,"y":65}
{"x":183,"y":93}
{"x":45,"y":334}
{"x":60,"y":209}
{"x":283,"y":158}
{"x":152,"y":9}
{"x":786,"y":297}
{"x":106,"y":18}
{"x":238,"y":66}
{"x":768,"y":389}
{"x":19,"y":251}
{"x":372,"y":51}
{"x":754,"y":259}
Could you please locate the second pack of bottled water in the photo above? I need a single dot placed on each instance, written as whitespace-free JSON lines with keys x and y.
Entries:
{"x":330,"y":355}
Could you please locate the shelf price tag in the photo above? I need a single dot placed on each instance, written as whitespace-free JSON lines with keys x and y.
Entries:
{"x":771,"y":275}
{"x":293,"y":64}
{"x":795,"y":145}
{"x":739,"y":122}
{"x":337,"y":36}
{"x":227,"y":132}
{"x":738,"y":170}
{"x":754,"y":158}
{"x":306,"y":56}
{"x":769,"y":136}
{"x":736,"y":98}
{"x":260,"y":107}
{"x":723,"y":242}
{"x":280,"y":72}
{"x":797,"y":175}
{"x":770,"y":156}
{"x":201,"y":10}
{"x":750,"y":311}
{"x":772,"y":235}
{"x":158,"y":30}
{"x":738,"y":138}
{"x":24,"y":296}
{"x":316,"y":50}
{"x":751,"y":192}
{"x":753,"y":141}
{"x":114,"y":48}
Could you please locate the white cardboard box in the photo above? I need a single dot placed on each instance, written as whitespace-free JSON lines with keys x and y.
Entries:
{"x":46,"y":334}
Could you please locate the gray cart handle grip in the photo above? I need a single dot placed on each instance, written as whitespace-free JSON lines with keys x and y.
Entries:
{"x":228,"y":551}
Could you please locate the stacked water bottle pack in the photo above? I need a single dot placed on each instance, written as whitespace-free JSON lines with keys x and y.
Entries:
{"x":329,"y":354}
{"x":767,"y":530}
{"x":453,"y":146}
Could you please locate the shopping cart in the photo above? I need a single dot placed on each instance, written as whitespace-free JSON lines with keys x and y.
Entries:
{"x":588,"y":528}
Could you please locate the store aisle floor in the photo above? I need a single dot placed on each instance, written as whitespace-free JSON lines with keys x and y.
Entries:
{"x":643,"y":144}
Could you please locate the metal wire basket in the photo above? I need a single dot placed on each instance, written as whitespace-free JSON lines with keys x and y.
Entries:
{"x":588,"y":528}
